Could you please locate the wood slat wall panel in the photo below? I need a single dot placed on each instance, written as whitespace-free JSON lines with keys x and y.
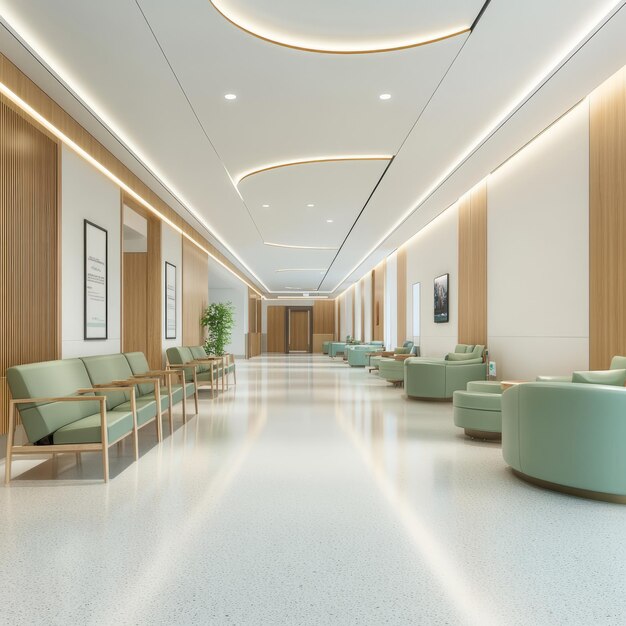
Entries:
{"x":20,"y":84}
{"x":378,"y":302}
{"x":195,"y":292}
{"x":135,"y":303}
{"x":29,"y":247}
{"x":276,"y":326}
{"x":362,"y":305}
{"x":254,"y":324}
{"x":473,"y":266}
{"x":401,"y":289}
{"x":323,"y":317}
{"x":607,"y":222}
{"x":154,"y":296}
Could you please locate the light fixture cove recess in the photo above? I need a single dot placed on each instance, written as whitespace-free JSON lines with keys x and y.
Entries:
{"x":310,"y":44}
{"x":322,"y":159}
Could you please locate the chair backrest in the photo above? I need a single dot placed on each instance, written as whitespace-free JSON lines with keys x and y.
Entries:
{"x":462,"y":348}
{"x":106,"y":368}
{"x":408,"y":344}
{"x":180,"y":355}
{"x":618,"y":363}
{"x":139,"y":365}
{"x":198,"y":352}
{"x":50,"y":379}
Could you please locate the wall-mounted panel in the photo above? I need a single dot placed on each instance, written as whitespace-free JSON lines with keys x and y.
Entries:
{"x":403,"y":334}
{"x":473,"y":266}
{"x":538,"y":254}
{"x":607,"y":222}
{"x":276,"y":329}
{"x":378,"y":302}
{"x":195,"y":292}
{"x":29,"y":247}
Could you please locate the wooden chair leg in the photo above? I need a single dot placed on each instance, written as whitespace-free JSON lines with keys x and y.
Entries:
{"x":105,"y":463}
{"x":10,"y":435}
{"x":169,"y":411}
{"x":184,"y":403}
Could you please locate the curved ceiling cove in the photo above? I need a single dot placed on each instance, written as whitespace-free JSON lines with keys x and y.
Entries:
{"x":331,"y":27}
{"x":331,"y":159}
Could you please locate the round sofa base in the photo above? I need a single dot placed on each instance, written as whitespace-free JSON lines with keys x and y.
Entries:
{"x":572,"y":491}
{"x":484,"y":435}
{"x":427,"y":399}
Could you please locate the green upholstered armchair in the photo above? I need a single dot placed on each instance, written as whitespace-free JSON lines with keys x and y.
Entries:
{"x":335,"y":348}
{"x":174,"y":389}
{"x":62,"y":411}
{"x":617,"y":363}
{"x":567,"y":436}
{"x":358,"y":356}
{"x":440,"y":378}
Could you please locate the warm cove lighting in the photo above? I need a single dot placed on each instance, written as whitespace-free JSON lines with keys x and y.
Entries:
{"x":304,"y":269}
{"x":288,"y":245}
{"x":320,"y":159}
{"x":559,"y":59}
{"x":51,"y":128}
{"x":310,"y":44}
{"x":45,"y":58}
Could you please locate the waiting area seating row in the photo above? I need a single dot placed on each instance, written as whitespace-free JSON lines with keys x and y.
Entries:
{"x":88,"y":404}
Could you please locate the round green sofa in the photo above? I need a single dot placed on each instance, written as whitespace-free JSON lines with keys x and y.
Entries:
{"x":478,"y":410}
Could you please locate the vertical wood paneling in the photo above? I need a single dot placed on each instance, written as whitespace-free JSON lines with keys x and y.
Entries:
{"x":254,"y":324}
{"x":607,"y":222}
{"x":154,"y":296}
{"x":472,"y":293}
{"x":195,"y":292}
{"x":362,"y":305}
{"x":378,"y":302}
{"x":323,"y":323}
{"x":401,"y":291}
{"x":29,"y":247}
{"x":276,"y":327}
{"x":135,"y":303}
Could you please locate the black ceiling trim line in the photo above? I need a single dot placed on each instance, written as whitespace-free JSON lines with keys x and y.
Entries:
{"x":479,"y":16}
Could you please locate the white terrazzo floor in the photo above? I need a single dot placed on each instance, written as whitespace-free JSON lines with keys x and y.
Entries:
{"x":312,"y":494}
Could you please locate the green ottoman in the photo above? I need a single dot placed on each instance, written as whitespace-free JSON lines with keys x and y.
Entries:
{"x":392,"y":371}
{"x":478,"y":410}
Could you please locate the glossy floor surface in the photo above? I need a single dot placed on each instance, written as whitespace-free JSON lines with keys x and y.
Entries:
{"x":312,"y":494}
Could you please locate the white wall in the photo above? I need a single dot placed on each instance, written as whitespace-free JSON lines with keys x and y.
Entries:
{"x":87,"y":194}
{"x":172,"y":252}
{"x":538,"y":254}
{"x":347,"y":318}
{"x":430,"y":253}
{"x":239,"y":298}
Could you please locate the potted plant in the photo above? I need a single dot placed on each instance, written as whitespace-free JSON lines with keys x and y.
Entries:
{"x":219,"y":319}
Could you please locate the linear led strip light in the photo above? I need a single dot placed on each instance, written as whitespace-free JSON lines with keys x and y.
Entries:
{"x":13,"y":97}
{"x":558,"y":61}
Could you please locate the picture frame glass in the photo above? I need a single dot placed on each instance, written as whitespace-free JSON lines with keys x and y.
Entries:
{"x":95,"y":281}
{"x":441,"y":299}
{"x":170,"y":301}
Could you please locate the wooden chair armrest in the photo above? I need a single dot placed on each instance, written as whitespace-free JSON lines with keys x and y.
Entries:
{"x":189,"y":365}
{"x":107,"y":388}
{"x":58,"y":399}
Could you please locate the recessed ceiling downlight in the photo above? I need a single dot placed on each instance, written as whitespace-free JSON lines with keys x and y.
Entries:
{"x":329,"y":221}
{"x":310,"y":206}
{"x":266,"y":206}
{"x":230,"y":96}
{"x":385,"y":96}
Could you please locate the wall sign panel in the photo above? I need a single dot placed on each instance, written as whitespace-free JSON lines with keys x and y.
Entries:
{"x":96,"y":281}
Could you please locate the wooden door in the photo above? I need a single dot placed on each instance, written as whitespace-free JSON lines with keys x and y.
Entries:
{"x":299,"y":331}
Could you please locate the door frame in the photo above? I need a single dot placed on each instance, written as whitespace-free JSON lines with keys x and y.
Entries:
{"x":288,"y":311}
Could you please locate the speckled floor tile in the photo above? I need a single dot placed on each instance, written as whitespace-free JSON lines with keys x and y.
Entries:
{"x":313,"y":493}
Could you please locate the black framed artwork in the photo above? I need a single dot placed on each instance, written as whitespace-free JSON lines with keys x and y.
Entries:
{"x":96,"y":283}
{"x":441,"y":300}
{"x":170,"y":301}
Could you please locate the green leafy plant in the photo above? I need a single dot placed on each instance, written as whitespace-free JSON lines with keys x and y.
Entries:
{"x":219,"y":319}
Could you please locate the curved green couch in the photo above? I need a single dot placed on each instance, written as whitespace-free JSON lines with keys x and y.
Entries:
{"x":358,"y":356}
{"x":478,"y":410}
{"x":391,"y":370}
{"x":439,"y":379}
{"x":568,"y":437}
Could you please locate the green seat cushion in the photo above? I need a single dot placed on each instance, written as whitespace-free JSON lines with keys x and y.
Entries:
{"x":618,"y":363}
{"x":553,"y":379}
{"x":479,"y":400}
{"x":485,"y":386}
{"x":165,"y":398}
{"x":88,"y":430}
{"x":146,"y":409}
{"x":180,"y":355}
{"x":606,"y":377}
{"x":106,"y":368}
{"x":45,"y":380}
{"x":462,"y":348}
{"x":402,"y":350}
{"x":391,"y":370}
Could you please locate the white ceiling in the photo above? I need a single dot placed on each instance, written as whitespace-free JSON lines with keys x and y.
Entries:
{"x":156,"y":72}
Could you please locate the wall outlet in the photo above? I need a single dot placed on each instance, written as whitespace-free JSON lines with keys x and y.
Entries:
{"x":492,"y":369}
